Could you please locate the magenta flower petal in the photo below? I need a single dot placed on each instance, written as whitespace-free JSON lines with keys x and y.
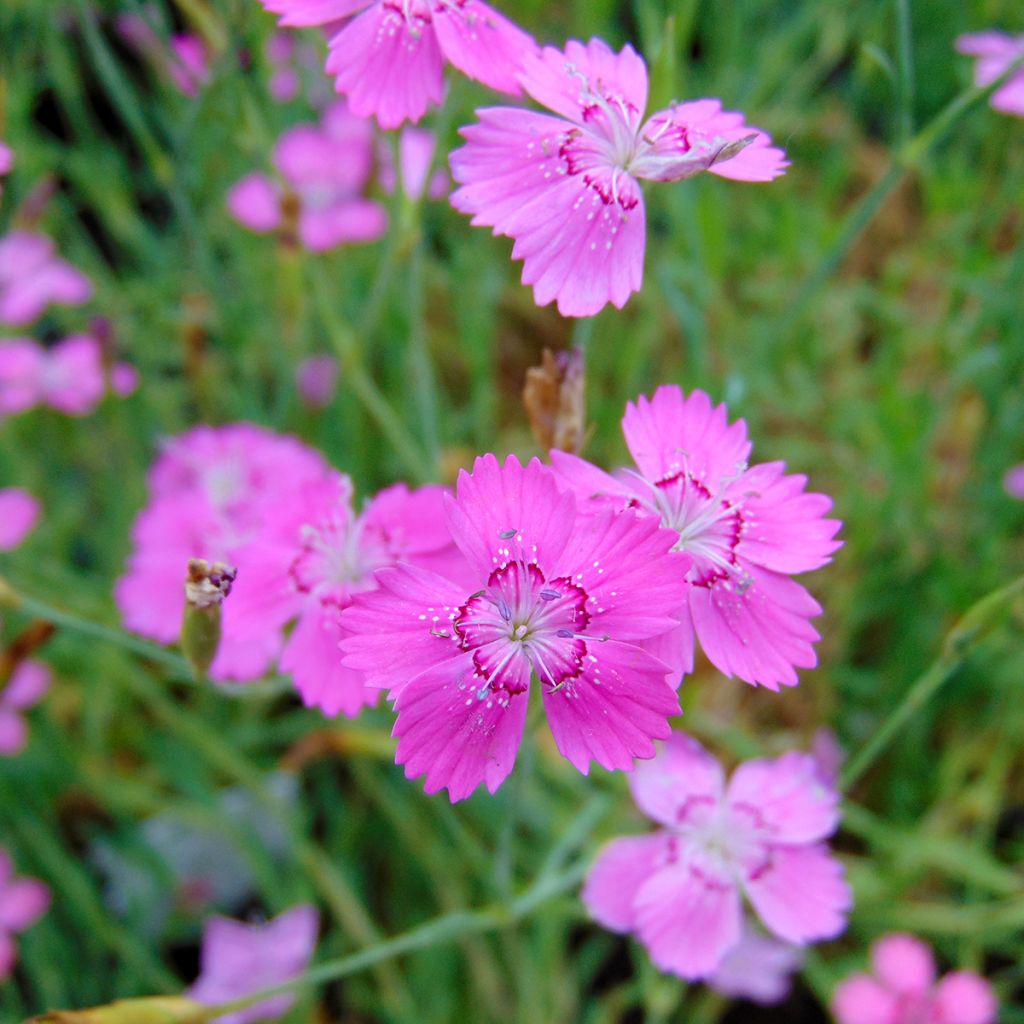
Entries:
{"x":482,"y":43}
{"x":963,"y":998}
{"x":73,"y":381}
{"x":6,"y":159}
{"x":313,"y":658}
{"x":388,"y":66}
{"x":255,"y":202}
{"x":788,"y":796}
{"x":238,"y":959}
{"x":758,"y":968}
{"x":13,"y":733}
{"x":24,"y":902}
{"x":670,"y":429}
{"x":862,"y":1000}
{"x":415,"y":155}
{"x":614,"y":710}
{"x":316,"y":379}
{"x":19,"y":511}
{"x":1013,"y":481}
{"x":800,"y":894}
{"x":307,"y":13}
{"x":996,"y":52}
{"x":22,"y":365}
{"x":688,"y":916}
{"x":33,"y":277}
{"x":682,"y":775}
{"x":456,"y":733}
{"x":616,"y":876}
{"x":356,"y":220}
{"x":903,"y":964}
{"x":27,"y":685}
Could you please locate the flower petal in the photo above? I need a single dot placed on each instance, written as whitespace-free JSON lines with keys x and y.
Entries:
{"x":616,"y":876}
{"x":681,"y":773}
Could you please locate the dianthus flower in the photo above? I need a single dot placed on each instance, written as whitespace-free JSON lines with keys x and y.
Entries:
{"x":325,"y":168}
{"x":415,"y":154}
{"x":747,"y":531}
{"x":33,"y":277}
{"x":758,"y":968}
{"x":68,"y":376}
{"x":22,"y":902}
{"x":210,"y":490}
{"x":903,"y":990}
{"x":26,"y":687}
{"x":566,"y":598}
{"x":316,"y":379}
{"x":389,"y":59}
{"x":1013,"y":481}
{"x":679,"y":890}
{"x":996,"y":51}
{"x":238,"y":959}
{"x":312,"y":555}
{"x":566,"y":187}
{"x":19,"y":513}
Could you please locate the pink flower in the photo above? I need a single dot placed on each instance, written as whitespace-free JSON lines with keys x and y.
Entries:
{"x":19,"y":513}
{"x":28,"y":682}
{"x":326,"y":166}
{"x":22,"y":902}
{"x":316,"y":379}
{"x":389,"y":59}
{"x":312,"y":556}
{"x":239,"y":959}
{"x":6,"y":159}
{"x":571,"y":599}
{"x":758,"y":968}
{"x":32,"y":277}
{"x":747,"y":530}
{"x":1013,"y":481}
{"x":996,"y":51}
{"x":903,"y":990}
{"x":68,"y":377}
{"x":566,"y":187}
{"x":680,"y":889}
{"x":210,"y":492}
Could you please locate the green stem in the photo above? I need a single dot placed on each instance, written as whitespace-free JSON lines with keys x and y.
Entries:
{"x":907,"y":158}
{"x":355,"y":375}
{"x":965,"y":636}
{"x":906,"y":71}
{"x":443,"y":929}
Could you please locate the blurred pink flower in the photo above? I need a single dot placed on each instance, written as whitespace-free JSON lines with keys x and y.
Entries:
{"x":313,"y":555}
{"x":566,"y":187}
{"x":210,"y":491}
{"x":33,"y":277}
{"x":758,"y":968}
{"x":569,"y":599}
{"x":996,"y":51}
{"x":326,"y":166}
{"x":238,"y":959}
{"x":415,"y":154}
{"x":903,"y":990}
{"x":316,"y":379}
{"x":747,"y":530}
{"x":388,"y":57}
{"x":22,"y":902}
{"x":680,"y":889}
{"x":26,"y":687}
{"x":183,"y":60}
{"x":68,"y":376}
{"x":19,"y":513}
{"x":1013,"y":482}
{"x":6,"y":159}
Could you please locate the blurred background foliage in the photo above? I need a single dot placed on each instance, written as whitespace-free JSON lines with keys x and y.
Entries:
{"x":887,"y":366}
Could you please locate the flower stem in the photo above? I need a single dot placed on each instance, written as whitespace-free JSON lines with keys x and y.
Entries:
{"x":907,"y":158}
{"x":443,"y":929}
{"x":963,"y":638}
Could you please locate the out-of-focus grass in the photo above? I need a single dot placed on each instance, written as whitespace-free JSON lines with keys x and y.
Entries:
{"x":895,"y":385}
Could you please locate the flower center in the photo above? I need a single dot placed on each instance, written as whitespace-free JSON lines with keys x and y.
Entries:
{"x":522,"y":620}
{"x":336,"y":558}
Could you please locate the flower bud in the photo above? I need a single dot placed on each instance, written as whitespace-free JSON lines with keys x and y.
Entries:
{"x":206,"y":586}
{"x":553,"y":398}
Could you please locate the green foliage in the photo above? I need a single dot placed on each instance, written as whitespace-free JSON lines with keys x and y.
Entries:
{"x":882,"y":355}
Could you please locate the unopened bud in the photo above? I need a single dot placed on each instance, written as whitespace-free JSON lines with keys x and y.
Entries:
{"x":206,"y":586}
{"x":553,"y":397}
{"x":152,"y":1010}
